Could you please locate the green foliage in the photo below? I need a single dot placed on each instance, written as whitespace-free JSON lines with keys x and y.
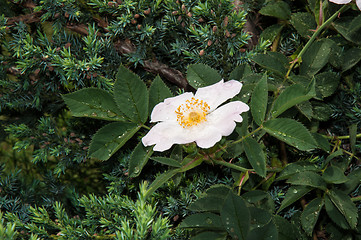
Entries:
{"x":79,"y":80}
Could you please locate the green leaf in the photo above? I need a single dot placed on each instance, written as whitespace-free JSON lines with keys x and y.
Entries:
{"x":259,"y":100}
{"x":235,"y":216}
{"x":93,"y":103}
{"x":160,"y":180}
{"x":291,"y":132}
{"x":138,"y":159}
{"x":190,"y":162}
{"x":158,"y":91}
{"x":274,"y":61}
{"x":207,"y":204}
{"x":277,"y":9}
{"x":306,"y":109}
{"x":303,"y":22}
{"x":200,"y":75}
{"x":316,"y":57}
{"x":207,"y":235}
{"x":321,"y":111}
{"x":350,"y":58}
{"x":209,"y":221}
{"x":107,"y":140}
{"x":335,"y":215}
{"x":334,"y":175}
{"x":260,"y":217}
{"x":326,"y":84}
{"x":353,"y":181}
{"x":286,"y":231}
{"x":260,"y":199}
{"x":322,"y":141}
{"x":167,"y":161}
{"x":271,"y":32}
{"x":240,"y":71}
{"x":345,"y":206}
{"x":131,"y":95}
{"x":255,"y":156}
{"x":350,"y":28}
{"x":293,"y":194}
{"x":310,"y":215}
{"x":308,"y":178}
{"x":297,"y":167}
{"x":267,"y":232}
{"x":291,"y":96}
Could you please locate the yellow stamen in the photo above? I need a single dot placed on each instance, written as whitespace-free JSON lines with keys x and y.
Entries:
{"x":192,"y":112}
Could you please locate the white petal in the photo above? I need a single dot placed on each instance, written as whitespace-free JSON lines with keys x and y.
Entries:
{"x":341,"y":1}
{"x":165,"y":111}
{"x":218,"y":93}
{"x":224,"y":117}
{"x":209,"y":137}
{"x":165,"y":134}
{"x":358,"y":3}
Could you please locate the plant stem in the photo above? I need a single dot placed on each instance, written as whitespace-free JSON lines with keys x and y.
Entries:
{"x":342,"y":137}
{"x":233,"y":166}
{"x":316,"y":33}
{"x":248,"y":135}
{"x":146,"y":127}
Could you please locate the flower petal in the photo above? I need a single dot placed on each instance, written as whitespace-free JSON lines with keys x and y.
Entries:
{"x":341,"y":1}
{"x":225,"y":116}
{"x":165,"y":134}
{"x":209,"y":137}
{"x":165,"y":111}
{"x":358,"y":3}
{"x":218,"y":93}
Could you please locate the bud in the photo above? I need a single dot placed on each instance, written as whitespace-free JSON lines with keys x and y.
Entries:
{"x":179,"y":18}
{"x":189,"y":14}
{"x":146,"y":12}
{"x":183,"y":7}
{"x":201,"y":52}
{"x":214,"y":29}
{"x":209,"y":43}
{"x":136,"y":16}
{"x":227,"y":34}
{"x":139,"y":26}
{"x":225,"y":21}
{"x":133,"y":21}
{"x":201,"y":20}
{"x":175,"y":12}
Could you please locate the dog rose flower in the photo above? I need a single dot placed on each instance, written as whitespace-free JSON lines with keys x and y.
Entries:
{"x":196,"y":117}
{"x":358,"y":2}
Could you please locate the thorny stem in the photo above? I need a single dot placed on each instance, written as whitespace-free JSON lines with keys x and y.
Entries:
{"x":316,"y":33}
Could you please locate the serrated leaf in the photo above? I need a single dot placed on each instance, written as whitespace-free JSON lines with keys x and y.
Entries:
{"x":255,"y":156}
{"x":203,"y":221}
{"x":235,"y":216}
{"x":267,"y":232}
{"x":350,"y":28}
{"x":260,"y":199}
{"x":160,"y":180}
{"x":326,"y":84}
{"x":350,"y":58}
{"x":286,"y":230}
{"x":240,"y":71}
{"x":131,"y":95}
{"x":322,"y":141}
{"x":273,"y":61}
{"x":321,"y":111}
{"x":201,"y":75}
{"x":345,"y":206}
{"x":353,"y":181}
{"x":167,"y":161}
{"x":293,"y":194}
{"x":335,"y":215}
{"x":271,"y":32}
{"x":306,"y":109}
{"x":259,"y":216}
{"x":316,"y":57}
{"x":291,"y":96}
{"x":138,"y":159}
{"x":207,"y":235}
{"x":93,"y":103}
{"x":297,"y":167}
{"x":334,"y":175}
{"x":107,"y":140}
{"x":277,"y":9}
{"x":207,"y":204}
{"x":308,"y":178}
{"x":310,"y":215}
{"x":158,"y":91}
{"x":259,"y":100}
{"x":303,"y":22}
{"x":291,"y":132}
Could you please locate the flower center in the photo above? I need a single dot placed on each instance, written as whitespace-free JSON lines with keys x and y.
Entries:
{"x":192,"y":112}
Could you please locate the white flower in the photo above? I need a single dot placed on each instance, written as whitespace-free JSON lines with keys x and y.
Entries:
{"x":195,"y":118}
{"x":358,"y":2}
